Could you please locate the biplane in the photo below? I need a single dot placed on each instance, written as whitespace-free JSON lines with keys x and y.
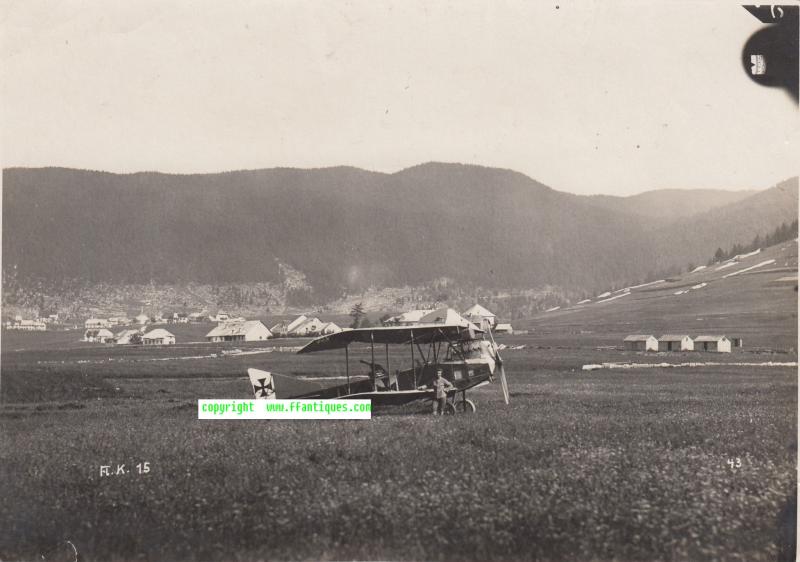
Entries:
{"x":466,"y":358}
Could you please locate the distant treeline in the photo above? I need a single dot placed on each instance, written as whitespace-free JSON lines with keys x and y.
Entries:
{"x":781,"y":234}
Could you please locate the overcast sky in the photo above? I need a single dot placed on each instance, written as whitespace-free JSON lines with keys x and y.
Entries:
{"x":587,"y":97}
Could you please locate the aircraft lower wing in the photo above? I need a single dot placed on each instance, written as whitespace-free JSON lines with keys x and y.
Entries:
{"x":400,"y":397}
{"x":391,"y":398}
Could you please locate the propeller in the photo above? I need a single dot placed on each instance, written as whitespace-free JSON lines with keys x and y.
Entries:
{"x":500,"y":368}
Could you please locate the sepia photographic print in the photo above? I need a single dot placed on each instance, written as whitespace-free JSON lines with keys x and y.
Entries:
{"x":398,"y":280}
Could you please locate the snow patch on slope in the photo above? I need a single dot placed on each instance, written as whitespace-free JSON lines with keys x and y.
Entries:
{"x":762,"y":264}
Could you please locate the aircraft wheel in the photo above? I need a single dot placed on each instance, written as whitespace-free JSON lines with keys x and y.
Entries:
{"x":449,"y":409}
{"x":465,"y":406}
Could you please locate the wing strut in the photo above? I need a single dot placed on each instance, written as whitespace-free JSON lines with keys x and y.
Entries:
{"x":347,"y":366}
{"x":500,"y":368}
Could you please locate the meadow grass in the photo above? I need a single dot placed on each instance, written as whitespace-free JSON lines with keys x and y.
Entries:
{"x":582,"y":466}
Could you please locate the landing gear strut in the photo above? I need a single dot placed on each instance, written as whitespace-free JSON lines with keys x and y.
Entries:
{"x":459,"y":404}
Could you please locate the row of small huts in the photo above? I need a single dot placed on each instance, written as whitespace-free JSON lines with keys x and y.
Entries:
{"x":255,"y":330}
{"x":159,"y":336}
{"x":672,"y":342}
{"x":229,"y":331}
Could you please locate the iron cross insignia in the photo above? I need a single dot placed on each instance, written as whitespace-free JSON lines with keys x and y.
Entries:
{"x":265,"y":389}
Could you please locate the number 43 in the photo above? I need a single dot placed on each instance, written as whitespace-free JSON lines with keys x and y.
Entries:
{"x":735,"y":463}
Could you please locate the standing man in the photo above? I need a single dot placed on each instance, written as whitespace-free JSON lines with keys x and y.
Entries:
{"x":440,"y":387}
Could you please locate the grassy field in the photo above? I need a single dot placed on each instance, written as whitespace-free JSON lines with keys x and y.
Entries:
{"x":627,"y":465}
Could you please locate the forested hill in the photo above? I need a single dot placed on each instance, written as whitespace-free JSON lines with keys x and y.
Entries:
{"x":347,"y":228}
{"x":662,"y":206}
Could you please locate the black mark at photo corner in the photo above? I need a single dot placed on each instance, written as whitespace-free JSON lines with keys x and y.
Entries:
{"x":770,"y":55}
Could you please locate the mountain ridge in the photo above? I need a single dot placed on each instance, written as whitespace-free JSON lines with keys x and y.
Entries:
{"x":655,"y":204}
{"x":646,"y":192}
{"x":345,"y":228}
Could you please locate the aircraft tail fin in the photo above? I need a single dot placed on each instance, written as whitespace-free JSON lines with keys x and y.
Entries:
{"x":263,"y":384}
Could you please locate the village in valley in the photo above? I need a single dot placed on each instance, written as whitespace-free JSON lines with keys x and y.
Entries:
{"x":146,"y":329}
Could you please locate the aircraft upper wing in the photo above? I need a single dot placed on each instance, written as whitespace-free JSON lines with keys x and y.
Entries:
{"x":419,"y":333}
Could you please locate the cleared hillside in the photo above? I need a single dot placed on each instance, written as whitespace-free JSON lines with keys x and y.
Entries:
{"x":759,"y":305}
